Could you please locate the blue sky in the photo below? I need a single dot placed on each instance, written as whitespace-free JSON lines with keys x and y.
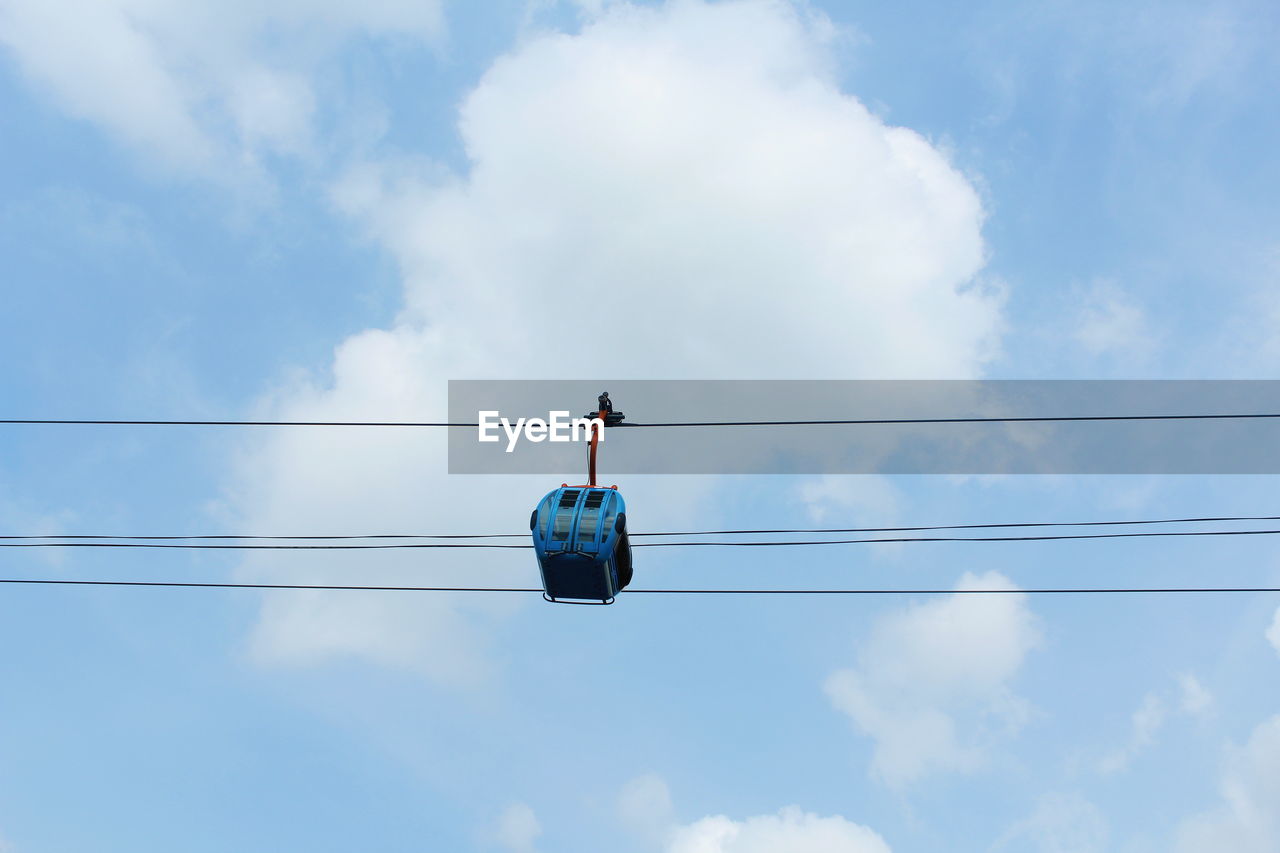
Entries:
{"x":211,"y":211}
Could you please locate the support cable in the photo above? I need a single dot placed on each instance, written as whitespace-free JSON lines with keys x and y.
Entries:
{"x":361,"y":587}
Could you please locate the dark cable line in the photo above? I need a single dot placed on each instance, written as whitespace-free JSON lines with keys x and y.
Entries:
{"x":96,"y":422}
{"x":354,"y":587}
{"x":309,"y":537}
{"x":895,"y":539}
{"x":969,"y":420}
{"x":957,"y":526}
{"x":730,"y":544}
{"x":1038,"y":591}
{"x":832,"y":422}
{"x":1024,"y":524}
{"x":229,"y":585}
{"x":189,"y":547}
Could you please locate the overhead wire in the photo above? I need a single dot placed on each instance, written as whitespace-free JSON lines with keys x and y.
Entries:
{"x":183,"y":542}
{"x":107,"y":422}
{"x":695,"y":544}
{"x":963,"y":420}
{"x":629,"y":425}
{"x":770,"y":591}
{"x":869,"y":591}
{"x":634,"y":535}
{"x":983,"y":526}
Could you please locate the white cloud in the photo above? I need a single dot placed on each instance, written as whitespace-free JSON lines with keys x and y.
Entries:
{"x":203,"y":86}
{"x":873,"y":499}
{"x":792,"y":830}
{"x":1147,"y":721}
{"x":1194,"y":698}
{"x":1155,"y":56}
{"x":1109,"y":321}
{"x":866,"y":501}
{"x":645,"y":805}
{"x":1248,"y":818}
{"x":1183,"y":52}
{"x":1151,"y":716}
{"x":933,"y":677}
{"x":675,"y":191}
{"x":1061,"y":823}
{"x":1273,"y":633}
{"x":427,"y":634}
{"x":518,"y":828}
{"x":676,"y":177}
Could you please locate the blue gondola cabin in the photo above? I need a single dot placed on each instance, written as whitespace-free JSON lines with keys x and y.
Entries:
{"x":580,"y":538}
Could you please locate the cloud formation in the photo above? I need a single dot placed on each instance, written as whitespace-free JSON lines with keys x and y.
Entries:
{"x":1108,"y":321}
{"x":205,"y":87}
{"x":1248,"y":818}
{"x":1147,"y":721}
{"x":645,"y":805}
{"x":674,"y":191}
{"x":684,"y":189}
{"x":791,"y":829}
{"x":1060,"y":823}
{"x":1193,"y":698}
{"x":518,"y":828}
{"x":690,"y":182}
{"x":931,"y":677}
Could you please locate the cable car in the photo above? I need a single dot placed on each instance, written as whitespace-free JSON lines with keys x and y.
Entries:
{"x":580,"y":538}
{"x":580,"y":534}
